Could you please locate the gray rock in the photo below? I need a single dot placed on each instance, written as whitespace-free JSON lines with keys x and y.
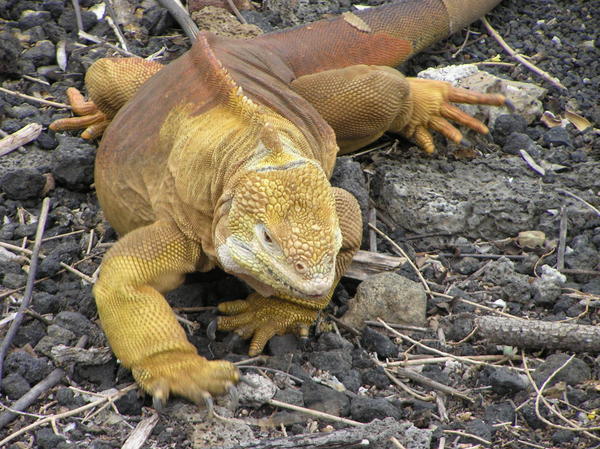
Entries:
{"x":23,"y":184}
{"x":574,"y":373}
{"x":73,"y":163}
{"x":290,"y":396}
{"x":330,"y":340}
{"x":507,"y":125}
{"x":557,"y":136}
{"x":79,"y":325}
{"x":390,"y":296}
{"x":333,"y":361}
{"x":47,"y":439}
{"x":365,"y":409}
{"x":505,"y":381}
{"x":515,"y":287}
{"x":479,"y":428}
{"x":352,"y":380}
{"x":64,"y":252}
{"x":518,"y":141}
{"x":500,"y":412}
{"x":10,"y":49}
{"x":31,"y":18}
{"x":42,"y":53}
{"x":545,"y":292}
{"x":14,"y":386}
{"x":56,"y":336}
{"x":263,"y":390}
{"x":377,"y":342}
{"x":325,"y":399}
{"x":33,"y":369}
{"x":283,"y":344}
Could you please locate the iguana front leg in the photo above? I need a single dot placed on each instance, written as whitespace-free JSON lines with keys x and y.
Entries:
{"x":139,"y":323}
{"x":111,"y":82}
{"x":362,"y":102}
{"x":261,"y":318}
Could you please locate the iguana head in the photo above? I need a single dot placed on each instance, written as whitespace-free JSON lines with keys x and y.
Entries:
{"x":281,"y":233}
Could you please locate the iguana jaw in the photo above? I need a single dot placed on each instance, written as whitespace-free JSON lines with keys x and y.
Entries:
{"x":271,"y":277}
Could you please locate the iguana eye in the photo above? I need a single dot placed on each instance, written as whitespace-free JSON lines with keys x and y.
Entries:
{"x":266,"y":238}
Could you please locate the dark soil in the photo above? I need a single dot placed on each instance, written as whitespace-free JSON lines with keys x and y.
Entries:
{"x":481,"y":203}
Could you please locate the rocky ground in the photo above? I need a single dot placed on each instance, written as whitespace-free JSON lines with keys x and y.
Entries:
{"x":491,"y":230}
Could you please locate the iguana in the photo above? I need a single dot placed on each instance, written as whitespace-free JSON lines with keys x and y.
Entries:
{"x":222,"y":158}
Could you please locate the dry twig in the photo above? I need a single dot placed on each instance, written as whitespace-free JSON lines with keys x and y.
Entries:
{"x":35,"y":99}
{"x":19,"y":138}
{"x":554,"y":81}
{"x":12,"y":331}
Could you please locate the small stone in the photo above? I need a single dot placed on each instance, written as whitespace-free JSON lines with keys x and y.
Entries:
{"x":325,"y":399}
{"x":479,"y":428}
{"x":42,"y":53}
{"x":130,"y":404}
{"x":262,"y":392}
{"x":23,"y":184}
{"x":33,"y":369}
{"x":66,"y":397}
{"x":562,"y":436}
{"x":507,"y":124}
{"x":574,"y":373}
{"x":14,"y":386}
{"x":500,"y":413}
{"x":79,"y":325}
{"x":290,"y":396}
{"x":375,"y":377}
{"x":283,"y":344}
{"x":64,"y":252}
{"x":31,"y":18}
{"x":44,"y":303}
{"x":381,"y":344}
{"x":505,"y":381}
{"x":388,"y":295}
{"x":331,"y":340}
{"x":518,"y":141}
{"x":366,"y":409}
{"x":23,"y":111}
{"x":10,"y":50}
{"x":352,"y":380}
{"x":47,"y":439}
{"x":73,"y":163}
{"x":557,"y":136}
{"x":333,"y":361}
{"x":545,"y":293}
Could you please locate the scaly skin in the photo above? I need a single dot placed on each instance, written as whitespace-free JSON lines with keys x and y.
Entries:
{"x":222,"y":158}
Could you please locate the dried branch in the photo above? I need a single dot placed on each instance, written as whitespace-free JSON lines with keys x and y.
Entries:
{"x":21,"y":137}
{"x":34,"y":99}
{"x":539,"y":334}
{"x":140,"y":434}
{"x":519,"y":58}
{"x":12,"y":331}
{"x":367,"y":263}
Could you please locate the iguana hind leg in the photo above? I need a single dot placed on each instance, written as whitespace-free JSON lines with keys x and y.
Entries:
{"x":139,"y":323}
{"x":362,"y":102}
{"x":261,"y":318}
{"x":111,"y":82}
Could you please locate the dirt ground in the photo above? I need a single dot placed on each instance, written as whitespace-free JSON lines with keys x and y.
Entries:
{"x":508,"y":227}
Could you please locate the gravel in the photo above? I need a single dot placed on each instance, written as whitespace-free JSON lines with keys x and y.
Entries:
{"x":457,"y":214}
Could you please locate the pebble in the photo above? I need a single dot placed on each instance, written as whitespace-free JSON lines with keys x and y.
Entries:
{"x":73,"y":163}
{"x":506,"y":124}
{"x":47,"y":439}
{"x":518,"y":141}
{"x":31,"y":18}
{"x":42,"y":53}
{"x":262,"y":392}
{"x":557,"y":136}
{"x":507,"y":382}
{"x":388,"y":295}
{"x":379,"y":343}
{"x":333,"y":361}
{"x":499,"y":413}
{"x":325,"y":399}
{"x":23,"y":183}
{"x":130,"y":404}
{"x":33,"y":369}
{"x":14,"y":386}
{"x":365,"y":409}
{"x":575,"y":373}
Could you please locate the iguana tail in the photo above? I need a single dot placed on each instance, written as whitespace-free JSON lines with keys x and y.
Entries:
{"x":385,"y":35}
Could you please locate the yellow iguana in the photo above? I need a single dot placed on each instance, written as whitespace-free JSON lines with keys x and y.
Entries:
{"x":222,"y":158}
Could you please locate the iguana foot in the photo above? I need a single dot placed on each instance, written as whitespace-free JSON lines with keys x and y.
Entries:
{"x":261,"y":318}
{"x":90,"y":117}
{"x":431,"y":110}
{"x":184,"y":374}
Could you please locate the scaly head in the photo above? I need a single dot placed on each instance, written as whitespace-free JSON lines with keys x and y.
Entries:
{"x":282,"y":234}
